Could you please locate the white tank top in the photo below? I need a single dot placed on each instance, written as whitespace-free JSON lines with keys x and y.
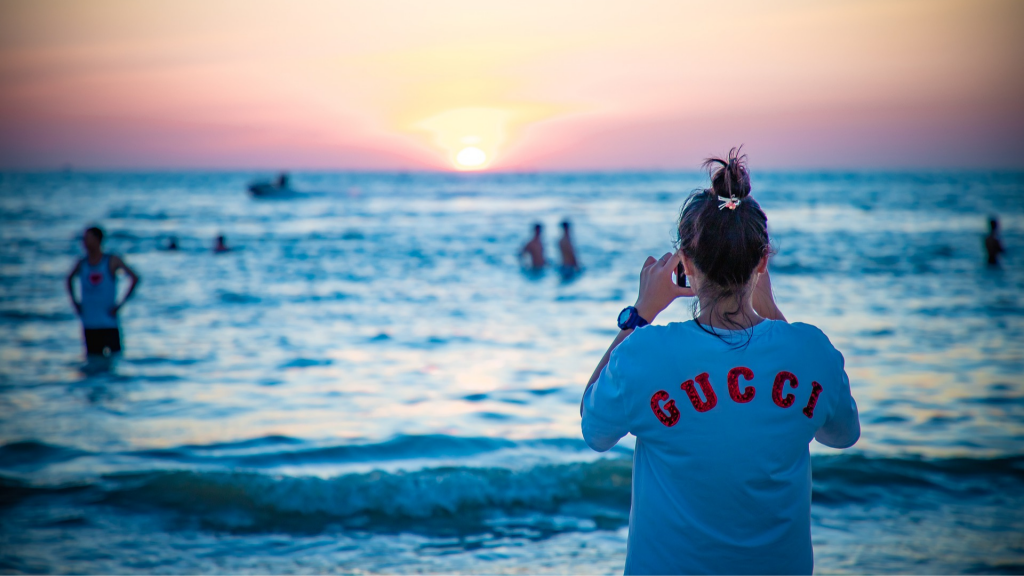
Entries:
{"x":99,"y":293}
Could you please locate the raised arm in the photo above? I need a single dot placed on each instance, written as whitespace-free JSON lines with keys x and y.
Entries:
{"x":608,"y":353}
{"x":657,"y":291}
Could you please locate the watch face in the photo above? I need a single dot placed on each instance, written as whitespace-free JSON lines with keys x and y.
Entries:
{"x":623,"y":316}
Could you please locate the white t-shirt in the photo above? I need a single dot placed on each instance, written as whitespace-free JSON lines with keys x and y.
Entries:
{"x":721,"y":471}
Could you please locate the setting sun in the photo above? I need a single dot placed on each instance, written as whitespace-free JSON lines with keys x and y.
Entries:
{"x":471,"y":157}
{"x":470,"y":136}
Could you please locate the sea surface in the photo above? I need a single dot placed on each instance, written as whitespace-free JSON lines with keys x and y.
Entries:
{"x":369,"y":381}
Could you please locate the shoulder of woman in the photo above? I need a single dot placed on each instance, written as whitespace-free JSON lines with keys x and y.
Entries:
{"x":644,"y":341}
{"x":815,"y":337}
{"x":632,"y":356}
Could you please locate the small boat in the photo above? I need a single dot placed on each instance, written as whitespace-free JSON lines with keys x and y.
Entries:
{"x":271,"y":190}
{"x":279,"y":188}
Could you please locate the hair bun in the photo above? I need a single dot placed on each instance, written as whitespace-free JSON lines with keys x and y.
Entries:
{"x":729,"y":176}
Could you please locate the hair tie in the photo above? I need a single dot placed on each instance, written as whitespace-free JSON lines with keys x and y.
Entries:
{"x":731,"y":202}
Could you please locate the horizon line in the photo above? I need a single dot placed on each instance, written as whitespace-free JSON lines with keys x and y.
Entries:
{"x":71,"y":169}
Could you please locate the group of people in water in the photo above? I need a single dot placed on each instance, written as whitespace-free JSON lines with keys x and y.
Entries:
{"x":533,"y":251}
{"x":96,"y":275}
{"x":219,"y":245}
{"x":97,"y":302}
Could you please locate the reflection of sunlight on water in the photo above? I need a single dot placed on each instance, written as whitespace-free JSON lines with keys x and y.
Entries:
{"x":934,"y":414}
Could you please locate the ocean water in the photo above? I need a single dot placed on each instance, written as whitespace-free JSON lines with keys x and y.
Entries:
{"x":369,"y":382}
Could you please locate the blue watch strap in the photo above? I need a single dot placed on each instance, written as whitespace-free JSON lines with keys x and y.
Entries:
{"x":633,"y":320}
{"x":640,"y":322}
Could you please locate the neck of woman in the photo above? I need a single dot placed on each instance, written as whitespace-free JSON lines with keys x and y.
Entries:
{"x":729,"y":312}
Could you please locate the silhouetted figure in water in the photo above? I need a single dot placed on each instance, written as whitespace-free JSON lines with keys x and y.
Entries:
{"x":282,"y":180}
{"x":992,"y":244}
{"x":97,"y":283}
{"x":172,"y":243}
{"x":535,"y":248}
{"x":569,"y":263}
{"x":220,"y":247}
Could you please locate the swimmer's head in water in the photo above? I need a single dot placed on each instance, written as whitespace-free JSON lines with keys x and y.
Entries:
{"x":726,"y":246}
{"x":92,"y":238}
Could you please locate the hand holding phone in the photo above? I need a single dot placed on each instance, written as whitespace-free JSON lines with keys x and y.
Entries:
{"x":657,"y":290}
{"x":680,"y":276}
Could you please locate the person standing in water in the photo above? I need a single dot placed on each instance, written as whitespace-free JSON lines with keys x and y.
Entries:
{"x":97,"y":279}
{"x":992,"y":244}
{"x":219,"y":245}
{"x":535,"y":249}
{"x":569,"y":263}
{"x":721,"y":468}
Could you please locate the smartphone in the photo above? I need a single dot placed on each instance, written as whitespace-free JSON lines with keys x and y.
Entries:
{"x":680,"y":276}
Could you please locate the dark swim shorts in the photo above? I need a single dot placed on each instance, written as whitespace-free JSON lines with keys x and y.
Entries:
{"x":99,"y":340}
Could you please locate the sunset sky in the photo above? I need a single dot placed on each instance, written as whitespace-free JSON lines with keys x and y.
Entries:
{"x":502,"y":85}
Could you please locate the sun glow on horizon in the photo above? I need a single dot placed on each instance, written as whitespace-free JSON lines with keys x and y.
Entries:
{"x":470,"y":136}
{"x":471,"y":157}
{"x":224,"y":83}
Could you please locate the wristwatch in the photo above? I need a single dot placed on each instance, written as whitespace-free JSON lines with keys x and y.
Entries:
{"x":629,"y":318}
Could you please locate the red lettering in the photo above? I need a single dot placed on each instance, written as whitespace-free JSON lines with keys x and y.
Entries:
{"x":672,"y":417}
{"x":734,"y":385}
{"x":780,"y":381}
{"x":705,"y":387}
{"x":813,"y":400}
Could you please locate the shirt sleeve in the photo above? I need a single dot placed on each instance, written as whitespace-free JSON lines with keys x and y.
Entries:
{"x":842,"y":429}
{"x":603,"y":409}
